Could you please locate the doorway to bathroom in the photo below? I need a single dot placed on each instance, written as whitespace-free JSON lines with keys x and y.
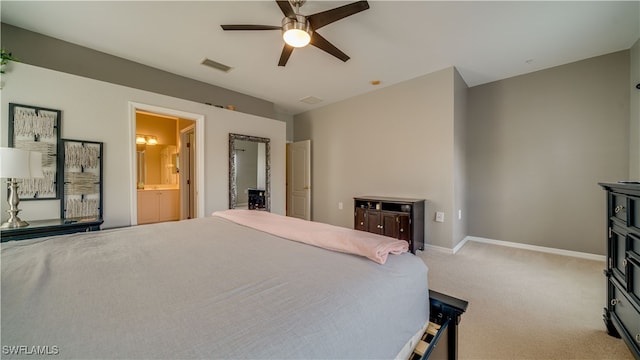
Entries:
{"x":166,"y":165}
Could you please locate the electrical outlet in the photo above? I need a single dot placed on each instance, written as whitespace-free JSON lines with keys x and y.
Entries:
{"x":340,"y":205}
{"x":439,"y":216}
{"x":459,"y":214}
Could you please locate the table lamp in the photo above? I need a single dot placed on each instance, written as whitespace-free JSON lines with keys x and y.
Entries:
{"x":18,"y":164}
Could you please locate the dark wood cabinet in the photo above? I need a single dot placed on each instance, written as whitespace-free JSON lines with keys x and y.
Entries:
{"x":398,"y":218}
{"x":41,"y":228}
{"x":622,"y":311}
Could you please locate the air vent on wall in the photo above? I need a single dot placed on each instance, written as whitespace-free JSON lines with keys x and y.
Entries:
{"x":216,"y":65}
{"x":310,"y":100}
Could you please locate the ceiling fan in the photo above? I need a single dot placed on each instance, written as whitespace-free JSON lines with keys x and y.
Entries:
{"x":300,"y":30}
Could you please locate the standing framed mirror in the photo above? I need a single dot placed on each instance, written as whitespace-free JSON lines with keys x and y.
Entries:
{"x":249,"y":172}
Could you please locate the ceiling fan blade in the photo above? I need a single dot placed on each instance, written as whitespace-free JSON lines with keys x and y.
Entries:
{"x":250,"y":27}
{"x":286,"y":53}
{"x":286,"y":8}
{"x":323,"y":18}
{"x":323,"y":44}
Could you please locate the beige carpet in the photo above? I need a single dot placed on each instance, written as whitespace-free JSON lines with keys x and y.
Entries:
{"x":525,"y":304}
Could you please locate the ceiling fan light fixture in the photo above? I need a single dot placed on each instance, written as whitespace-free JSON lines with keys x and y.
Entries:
{"x":296,"y":32}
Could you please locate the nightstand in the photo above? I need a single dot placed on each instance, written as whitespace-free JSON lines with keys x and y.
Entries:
{"x":51,"y":227}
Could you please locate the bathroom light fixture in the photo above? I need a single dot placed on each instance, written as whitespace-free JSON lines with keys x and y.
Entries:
{"x":146,"y":139}
{"x":18,"y":164}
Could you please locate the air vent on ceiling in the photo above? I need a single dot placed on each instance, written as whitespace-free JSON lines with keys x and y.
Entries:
{"x":310,"y":100}
{"x":216,"y":65}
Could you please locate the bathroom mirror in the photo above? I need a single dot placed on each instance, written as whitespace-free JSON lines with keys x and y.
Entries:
{"x":157,"y":165}
{"x":249,"y":172}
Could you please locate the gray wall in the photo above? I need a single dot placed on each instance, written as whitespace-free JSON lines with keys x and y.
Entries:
{"x":537,"y":146}
{"x":460,"y":214}
{"x":47,"y":52}
{"x":520,"y":157}
{"x":395,"y":141}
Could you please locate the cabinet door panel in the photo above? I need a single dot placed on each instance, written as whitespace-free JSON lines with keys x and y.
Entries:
{"x":617,"y":254}
{"x":359,"y":222}
{"x":634,"y":244}
{"x":390,"y":225}
{"x":634,"y":279}
{"x":405,"y":227}
{"x":374,"y":222}
{"x":634,"y":213}
{"x":147,"y":207}
{"x":168,"y":208}
{"x":626,"y":314}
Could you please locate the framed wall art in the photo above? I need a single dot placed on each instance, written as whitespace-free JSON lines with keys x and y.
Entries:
{"x":82,"y":179}
{"x":37,"y":129}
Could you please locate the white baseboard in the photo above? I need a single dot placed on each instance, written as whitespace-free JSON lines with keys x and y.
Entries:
{"x":460,"y":245}
{"x":438,"y":248}
{"x":544,"y":249}
{"x":447,"y":250}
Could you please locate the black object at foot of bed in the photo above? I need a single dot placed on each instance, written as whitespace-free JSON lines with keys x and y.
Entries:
{"x":440,"y":339}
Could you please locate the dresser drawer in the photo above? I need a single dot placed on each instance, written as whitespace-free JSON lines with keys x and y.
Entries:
{"x":618,"y":207}
{"x":627,"y":317}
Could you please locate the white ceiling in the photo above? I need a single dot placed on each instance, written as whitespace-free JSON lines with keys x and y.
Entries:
{"x":393,"y":41}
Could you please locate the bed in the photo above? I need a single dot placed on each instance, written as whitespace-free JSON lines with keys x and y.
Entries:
{"x":206,"y":288}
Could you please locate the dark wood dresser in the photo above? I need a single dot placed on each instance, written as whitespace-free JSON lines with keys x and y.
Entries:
{"x":622,"y":311}
{"x":398,"y":218}
{"x":41,"y":228}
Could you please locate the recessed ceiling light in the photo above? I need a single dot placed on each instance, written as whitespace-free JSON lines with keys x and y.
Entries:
{"x":311,"y":100}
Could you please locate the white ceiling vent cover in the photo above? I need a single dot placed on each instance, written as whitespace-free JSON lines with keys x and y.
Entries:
{"x":216,"y":65}
{"x":310,"y":100}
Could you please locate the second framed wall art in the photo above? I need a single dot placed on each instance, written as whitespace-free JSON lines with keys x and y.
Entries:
{"x":82,"y":167}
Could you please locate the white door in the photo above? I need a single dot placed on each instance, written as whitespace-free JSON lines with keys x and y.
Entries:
{"x":299,"y":179}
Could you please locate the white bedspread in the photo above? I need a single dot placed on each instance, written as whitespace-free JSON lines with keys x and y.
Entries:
{"x":204,"y":288}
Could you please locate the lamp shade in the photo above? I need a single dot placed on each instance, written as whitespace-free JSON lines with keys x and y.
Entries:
{"x":20,"y":164}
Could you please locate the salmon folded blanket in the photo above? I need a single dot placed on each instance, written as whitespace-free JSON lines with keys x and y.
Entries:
{"x":336,"y":238}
